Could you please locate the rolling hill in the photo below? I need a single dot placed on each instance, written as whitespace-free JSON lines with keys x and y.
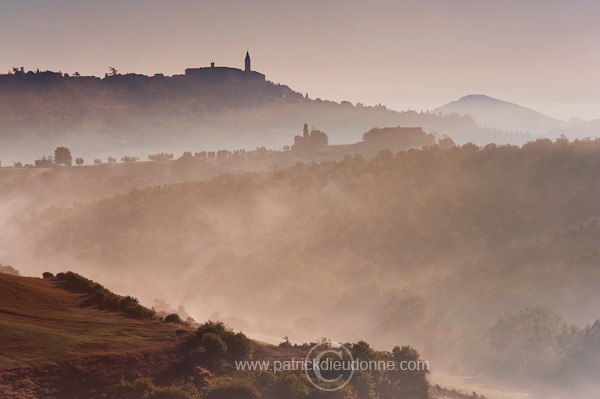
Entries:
{"x":494,"y":113}
{"x":56,"y":343}
{"x":136,"y":115}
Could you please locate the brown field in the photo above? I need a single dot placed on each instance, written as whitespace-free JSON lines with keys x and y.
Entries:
{"x":50,"y":340}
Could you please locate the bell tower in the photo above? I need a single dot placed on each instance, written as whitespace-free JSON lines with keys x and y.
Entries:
{"x":247,"y":68}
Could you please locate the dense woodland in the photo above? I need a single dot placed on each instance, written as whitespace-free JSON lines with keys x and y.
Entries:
{"x":430,"y":247}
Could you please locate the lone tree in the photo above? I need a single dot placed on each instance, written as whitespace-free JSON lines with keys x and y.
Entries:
{"x":79,"y":161}
{"x":62,"y":156}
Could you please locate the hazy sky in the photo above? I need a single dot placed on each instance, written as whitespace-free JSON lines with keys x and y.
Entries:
{"x":418,"y":54}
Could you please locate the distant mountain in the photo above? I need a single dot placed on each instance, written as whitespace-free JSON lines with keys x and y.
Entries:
{"x":494,"y":113}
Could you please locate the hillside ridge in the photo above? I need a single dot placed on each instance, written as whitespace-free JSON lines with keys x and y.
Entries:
{"x":505,"y":115}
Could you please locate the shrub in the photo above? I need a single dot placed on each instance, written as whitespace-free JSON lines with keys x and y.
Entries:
{"x":239,"y":346}
{"x":173,"y":318}
{"x":47,"y":275}
{"x":140,"y":388}
{"x":187,"y":391}
{"x":214,"y":346}
{"x":6,"y":269}
{"x":233,"y":389}
{"x":407,"y":383}
{"x":104,"y":298}
{"x":145,"y":388}
{"x":216,"y":327}
{"x":289,"y":386}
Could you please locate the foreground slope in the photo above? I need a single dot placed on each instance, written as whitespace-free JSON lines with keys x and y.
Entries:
{"x":53,"y":343}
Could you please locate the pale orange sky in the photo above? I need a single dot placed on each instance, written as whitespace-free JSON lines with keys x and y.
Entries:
{"x":543,"y":54}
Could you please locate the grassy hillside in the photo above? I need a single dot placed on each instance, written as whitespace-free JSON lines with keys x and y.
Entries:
{"x":42,"y":321}
{"x":55,"y":343}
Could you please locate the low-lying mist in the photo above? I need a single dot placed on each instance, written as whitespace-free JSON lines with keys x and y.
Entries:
{"x":424,"y":247}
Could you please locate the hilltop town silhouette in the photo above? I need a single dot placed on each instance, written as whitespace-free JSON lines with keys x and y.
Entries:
{"x":211,"y":74}
{"x":220,"y":73}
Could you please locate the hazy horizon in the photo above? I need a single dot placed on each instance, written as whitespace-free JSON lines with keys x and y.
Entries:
{"x":405,"y":55}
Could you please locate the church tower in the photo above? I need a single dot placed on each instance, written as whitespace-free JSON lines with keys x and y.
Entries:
{"x":247,"y":68}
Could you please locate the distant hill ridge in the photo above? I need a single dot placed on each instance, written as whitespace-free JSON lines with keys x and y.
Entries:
{"x":210,"y":108}
{"x":491,"y":112}
{"x":213,"y":108}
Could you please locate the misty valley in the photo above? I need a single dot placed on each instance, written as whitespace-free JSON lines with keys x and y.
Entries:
{"x":215,"y":235}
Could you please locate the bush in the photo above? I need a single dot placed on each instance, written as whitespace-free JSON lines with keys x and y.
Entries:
{"x":104,"y":298}
{"x":407,"y":383}
{"x":233,"y":389}
{"x":239,"y":346}
{"x":6,"y":269}
{"x":216,"y":327}
{"x":173,"y":318}
{"x":289,"y":386}
{"x":187,"y":391}
{"x":145,"y":388}
{"x":47,"y":275}
{"x":140,"y":388}
{"x":214,"y":346}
